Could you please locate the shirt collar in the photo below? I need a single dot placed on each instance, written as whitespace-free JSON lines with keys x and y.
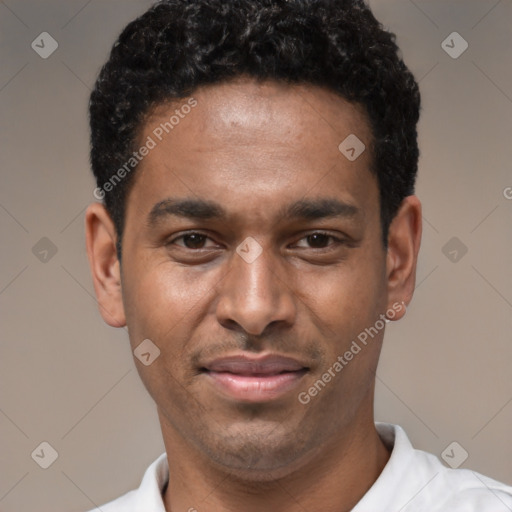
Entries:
{"x":149,"y":494}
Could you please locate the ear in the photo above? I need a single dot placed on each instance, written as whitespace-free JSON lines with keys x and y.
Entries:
{"x":404,"y":240}
{"x":101,"y":241}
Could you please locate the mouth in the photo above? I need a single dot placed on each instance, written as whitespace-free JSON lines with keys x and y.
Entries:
{"x":254,"y":379}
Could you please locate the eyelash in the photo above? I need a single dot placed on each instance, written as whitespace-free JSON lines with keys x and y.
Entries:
{"x":337,"y":241}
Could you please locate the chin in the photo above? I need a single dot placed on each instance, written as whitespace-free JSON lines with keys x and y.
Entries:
{"x":260,"y":453}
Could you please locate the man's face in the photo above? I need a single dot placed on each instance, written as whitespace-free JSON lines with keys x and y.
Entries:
{"x":241,"y":336}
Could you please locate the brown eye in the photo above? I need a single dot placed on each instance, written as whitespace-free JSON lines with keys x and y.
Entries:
{"x":192,"y":241}
{"x":318,"y":240}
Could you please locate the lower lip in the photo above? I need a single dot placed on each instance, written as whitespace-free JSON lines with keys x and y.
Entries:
{"x":255,"y":388}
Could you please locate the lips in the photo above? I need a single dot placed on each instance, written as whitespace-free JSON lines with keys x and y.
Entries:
{"x":242,"y":365}
{"x":254,"y":379}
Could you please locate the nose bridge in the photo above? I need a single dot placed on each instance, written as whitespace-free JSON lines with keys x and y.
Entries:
{"x":253,"y":294}
{"x":258,"y":280}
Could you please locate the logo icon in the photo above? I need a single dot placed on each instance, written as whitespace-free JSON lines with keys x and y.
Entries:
{"x":44,"y":250}
{"x":146,"y":352}
{"x":249,"y":249}
{"x":454,"y":249}
{"x":454,"y":455}
{"x":454,"y":45}
{"x":352,"y":148}
{"x":44,"y":45}
{"x":45,"y":455}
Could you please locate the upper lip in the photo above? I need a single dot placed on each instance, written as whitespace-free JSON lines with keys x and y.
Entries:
{"x":271,"y":364}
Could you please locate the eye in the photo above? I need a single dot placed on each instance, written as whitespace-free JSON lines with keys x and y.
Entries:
{"x":192,"y":241}
{"x":319,"y":240}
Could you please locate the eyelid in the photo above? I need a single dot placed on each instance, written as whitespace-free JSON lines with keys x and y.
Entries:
{"x":338,"y":240}
{"x":173,"y":239}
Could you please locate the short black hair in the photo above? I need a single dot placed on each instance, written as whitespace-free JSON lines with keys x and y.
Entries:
{"x":180,"y":45}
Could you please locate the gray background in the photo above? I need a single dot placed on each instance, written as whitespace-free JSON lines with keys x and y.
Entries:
{"x":69,"y":380}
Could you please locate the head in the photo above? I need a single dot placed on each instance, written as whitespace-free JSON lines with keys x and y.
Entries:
{"x":235,"y":222}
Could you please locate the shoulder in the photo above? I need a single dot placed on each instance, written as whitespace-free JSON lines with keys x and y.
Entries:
{"x":461,"y":490}
{"x":148,"y":497}
{"x":123,"y":504}
{"x":465,"y":490}
{"x":415,"y":480}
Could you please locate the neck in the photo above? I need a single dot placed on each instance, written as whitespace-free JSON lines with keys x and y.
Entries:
{"x":333,"y":479}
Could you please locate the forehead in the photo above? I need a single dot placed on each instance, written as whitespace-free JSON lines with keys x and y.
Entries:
{"x":245,"y":140}
{"x":246,"y":111}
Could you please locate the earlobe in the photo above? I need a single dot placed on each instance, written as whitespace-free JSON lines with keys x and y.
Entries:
{"x":404,"y":241}
{"x":105,"y":268}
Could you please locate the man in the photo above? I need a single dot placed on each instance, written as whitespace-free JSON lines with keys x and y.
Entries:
{"x":257,"y":162}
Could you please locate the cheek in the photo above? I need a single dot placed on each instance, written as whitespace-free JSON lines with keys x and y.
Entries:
{"x":163,"y":304}
{"x":162,"y":300}
{"x":345,"y":299}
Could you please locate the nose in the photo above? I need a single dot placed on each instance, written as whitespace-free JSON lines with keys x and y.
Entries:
{"x":253,"y":295}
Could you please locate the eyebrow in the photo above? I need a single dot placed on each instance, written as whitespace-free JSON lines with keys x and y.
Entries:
{"x":314,"y":209}
{"x":200,"y":209}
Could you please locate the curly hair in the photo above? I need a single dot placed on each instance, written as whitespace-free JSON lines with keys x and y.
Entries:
{"x":179,"y":45}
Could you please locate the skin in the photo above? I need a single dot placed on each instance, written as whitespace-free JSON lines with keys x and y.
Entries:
{"x":255,"y":148}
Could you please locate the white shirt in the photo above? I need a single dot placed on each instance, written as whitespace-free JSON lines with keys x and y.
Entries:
{"x":411,"y":481}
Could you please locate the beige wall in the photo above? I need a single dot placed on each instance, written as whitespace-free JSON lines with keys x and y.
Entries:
{"x":68,"y":379}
